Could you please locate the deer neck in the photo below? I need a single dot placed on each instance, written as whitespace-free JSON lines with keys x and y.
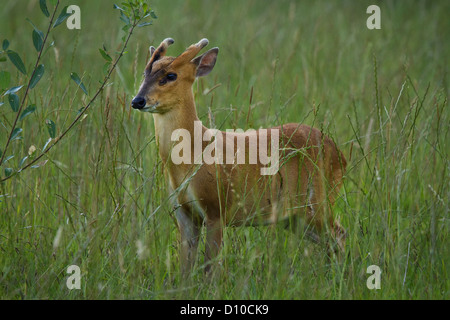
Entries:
{"x":183,"y":115}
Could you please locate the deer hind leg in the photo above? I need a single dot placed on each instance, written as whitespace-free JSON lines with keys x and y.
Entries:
{"x":339,"y":236}
{"x":320,"y":217}
{"x":337,"y":231}
{"x":190,"y":233}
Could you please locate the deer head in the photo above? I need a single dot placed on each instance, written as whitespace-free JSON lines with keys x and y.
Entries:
{"x":169,"y":79}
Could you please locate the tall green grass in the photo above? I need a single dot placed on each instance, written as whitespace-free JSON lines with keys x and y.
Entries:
{"x":100,"y":201}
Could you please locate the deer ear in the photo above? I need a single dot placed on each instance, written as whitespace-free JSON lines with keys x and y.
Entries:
{"x":206,"y":62}
{"x":152,"y":50}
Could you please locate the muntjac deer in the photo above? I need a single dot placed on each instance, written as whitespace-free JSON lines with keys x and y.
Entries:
{"x":225,"y":191}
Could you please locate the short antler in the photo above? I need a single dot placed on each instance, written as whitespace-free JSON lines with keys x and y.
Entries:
{"x":191,"y":52}
{"x":156,"y":54}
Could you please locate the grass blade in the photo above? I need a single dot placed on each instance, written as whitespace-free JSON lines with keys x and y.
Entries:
{"x":77,"y":80}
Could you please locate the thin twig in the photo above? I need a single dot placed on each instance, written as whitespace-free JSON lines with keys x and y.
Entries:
{"x":83,"y":110}
{"x":28,"y":86}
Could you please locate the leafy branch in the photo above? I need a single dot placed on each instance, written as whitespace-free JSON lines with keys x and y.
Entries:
{"x":38,"y":70}
{"x":133,"y":13}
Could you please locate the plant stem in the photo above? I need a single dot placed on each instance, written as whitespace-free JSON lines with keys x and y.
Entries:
{"x":84,"y":109}
{"x":28,"y":86}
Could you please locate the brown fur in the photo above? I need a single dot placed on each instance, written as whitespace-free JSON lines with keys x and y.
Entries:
{"x":306,"y":185}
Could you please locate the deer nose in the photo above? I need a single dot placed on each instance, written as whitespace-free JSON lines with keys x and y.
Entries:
{"x":138,"y":103}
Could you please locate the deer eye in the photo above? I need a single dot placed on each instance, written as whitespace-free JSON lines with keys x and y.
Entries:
{"x":171,"y":76}
{"x":168,"y":77}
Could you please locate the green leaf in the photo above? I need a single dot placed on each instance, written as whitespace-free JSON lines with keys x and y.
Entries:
{"x":115,"y":6}
{"x":40,"y":164}
{"x":145,"y":7}
{"x":153,"y":15}
{"x":51,"y":127}
{"x":62,"y":16}
{"x":43,"y":5}
{"x":14,"y":102}
{"x":31,"y":22}
{"x":12,"y":90}
{"x":37,"y":76}
{"x":5,"y":44}
{"x":106,"y":68}
{"x":38,"y":39}
{"x":8,"y":172}
{"x":125,"y":29}
{"x":5,"y":79}
{"x":8,"y":158}
{"x":105,"y":55}
{"x":15,"y":133}
{"x":48,"y":47}
{"x":28,"y":110}
{"x":77,"y":80}
{"x":22,"y":161}
{"x":144,"y":24}
{"x":46,"y":144}
{"x":15,"y":59}
{"x":125,"y":18}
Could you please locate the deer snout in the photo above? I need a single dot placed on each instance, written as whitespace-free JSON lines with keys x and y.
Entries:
{"x":138,"y":102}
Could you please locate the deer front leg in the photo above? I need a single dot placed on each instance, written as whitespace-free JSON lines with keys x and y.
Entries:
{"x":213,"y":241}
{"x":190,"y":232}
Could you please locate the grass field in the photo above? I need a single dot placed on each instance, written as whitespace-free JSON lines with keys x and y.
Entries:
{"x":100,"y":201}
